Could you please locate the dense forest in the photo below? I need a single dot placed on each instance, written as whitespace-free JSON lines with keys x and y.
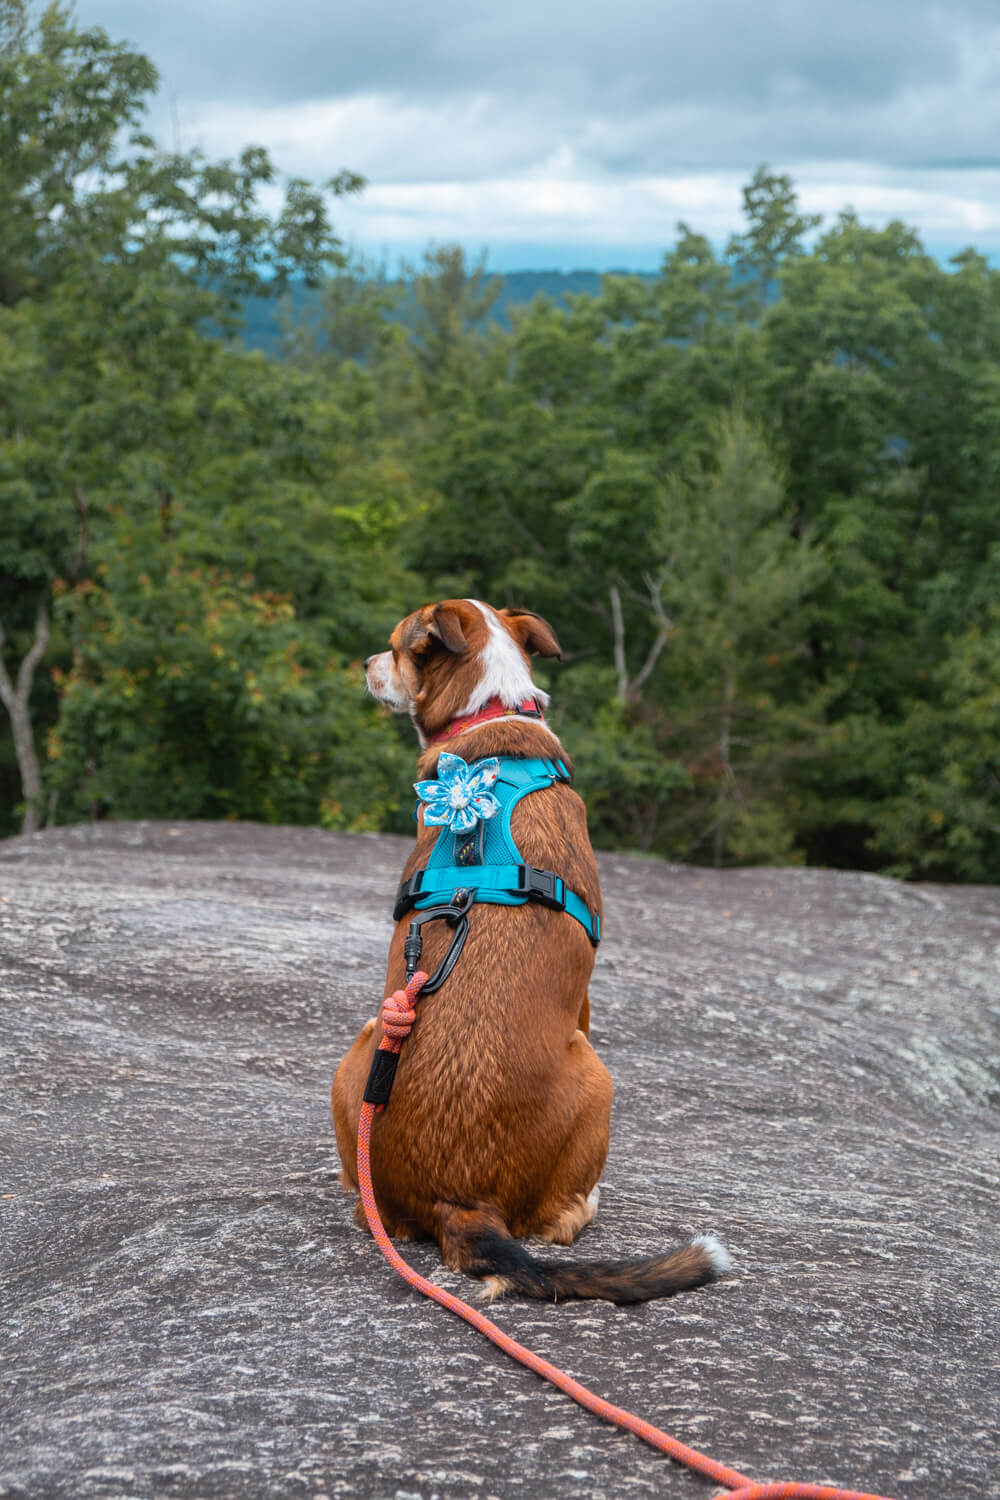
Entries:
{"x":757,"y":496}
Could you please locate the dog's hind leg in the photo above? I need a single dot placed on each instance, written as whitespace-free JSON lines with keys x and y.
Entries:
{"x":564,"y":1228}
{"x":571,"y":1197}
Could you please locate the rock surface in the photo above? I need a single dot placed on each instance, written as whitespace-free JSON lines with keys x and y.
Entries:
{"x":802,"y":1062}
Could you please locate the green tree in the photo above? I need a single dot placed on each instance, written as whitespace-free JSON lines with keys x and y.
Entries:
{"x":349,"y":321}
{"x":451,"y":302}
{"x":734,"y":587}
{"x":194,"y":694}
{"x":880,"y":375}
{"x":112,"y":257}
{"x":775,"y":229}
{"x":872,"y":380}
{"x":939,"y":767}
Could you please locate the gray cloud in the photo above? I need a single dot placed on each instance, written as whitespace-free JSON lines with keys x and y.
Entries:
{"x":772,"y":63}
{"x":445,"y":93}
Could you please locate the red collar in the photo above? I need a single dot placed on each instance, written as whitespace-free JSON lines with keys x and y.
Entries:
{"x":494,"y":709}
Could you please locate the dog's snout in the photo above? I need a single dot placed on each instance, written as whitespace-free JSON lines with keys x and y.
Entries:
{"x":383,"y":681}
{"x":370,"y":659}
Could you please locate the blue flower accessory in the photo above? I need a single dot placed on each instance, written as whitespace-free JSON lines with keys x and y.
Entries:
{"x":461,"y":794}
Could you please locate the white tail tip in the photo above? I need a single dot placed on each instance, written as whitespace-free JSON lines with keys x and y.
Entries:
{"x":716,"y":1252}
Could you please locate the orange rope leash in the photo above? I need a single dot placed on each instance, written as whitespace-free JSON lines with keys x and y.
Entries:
{"x":398,"y":1017}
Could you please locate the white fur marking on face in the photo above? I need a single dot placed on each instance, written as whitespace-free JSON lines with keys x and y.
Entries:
{"x":505,"y":674}
{"x":383,"y":682}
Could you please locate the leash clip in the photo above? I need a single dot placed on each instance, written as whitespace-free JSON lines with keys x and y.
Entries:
{"x":456,"y":913}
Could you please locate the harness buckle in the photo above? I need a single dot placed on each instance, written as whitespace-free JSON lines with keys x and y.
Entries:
{"x":543,"y":886}
{"x":407,"y":894}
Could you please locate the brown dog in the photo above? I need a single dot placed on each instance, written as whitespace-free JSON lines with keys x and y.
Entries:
{"x":498,"y":1123}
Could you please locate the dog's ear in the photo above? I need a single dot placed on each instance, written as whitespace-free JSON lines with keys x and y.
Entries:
{"x":446,"y":624}
{"x":531,"y":632}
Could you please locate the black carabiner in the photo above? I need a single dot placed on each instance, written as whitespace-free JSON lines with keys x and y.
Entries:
{"x":456,"y":913}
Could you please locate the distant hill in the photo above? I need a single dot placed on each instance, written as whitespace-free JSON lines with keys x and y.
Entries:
{"x":521,"y":287}
{"x":262,"y":317}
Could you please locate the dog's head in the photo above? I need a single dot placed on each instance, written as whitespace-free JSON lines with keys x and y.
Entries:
{"x":450,"y":659}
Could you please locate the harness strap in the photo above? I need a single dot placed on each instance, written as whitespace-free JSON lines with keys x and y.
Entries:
{"x":525,"y":775}
{"x":499,"y":883}
{"x":486,"y":863}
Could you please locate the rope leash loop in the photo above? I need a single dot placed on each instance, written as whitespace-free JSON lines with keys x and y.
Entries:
{"x":400,"y":1007}
{"x":397,"y":1017}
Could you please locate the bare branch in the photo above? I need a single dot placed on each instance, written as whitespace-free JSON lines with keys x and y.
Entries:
{"x":38,"y":648}
{"x":83,"y":511}
{"x":631,"y":692}
{"x":654,"y":587}
{"x":15,"y":700}
{"x":6,"y":686}
{"x":642,"y":676}
{"x":618,"y":624}
{"x":166,"y":513}
{"x":666,"y":630}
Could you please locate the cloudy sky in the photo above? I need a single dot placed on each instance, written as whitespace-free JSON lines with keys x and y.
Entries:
{"x":576,"y":135}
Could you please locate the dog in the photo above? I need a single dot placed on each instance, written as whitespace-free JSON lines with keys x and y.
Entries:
{"x":499,"y":1121}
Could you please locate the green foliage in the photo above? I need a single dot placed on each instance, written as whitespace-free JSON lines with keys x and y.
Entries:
{"x":755,"y":494}
{"x":734,"y":591}
{"x":347,"y":319}
{"x":940,"y":767}
{"x":72,"y":202}
{"x":349,"y":314}
{"x":622,"y":772}
{"x":121,"y":420}
{"x":758,"y":522}
{"x":452,"y":302}
{"x":774,"y":231}
{"x":193,"y":694}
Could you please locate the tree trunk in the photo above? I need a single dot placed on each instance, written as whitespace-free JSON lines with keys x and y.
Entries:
{"x":15,"y":700}
{"x":631,"y":692}
{"x":725,"y":749}
{"x":618,"y":625}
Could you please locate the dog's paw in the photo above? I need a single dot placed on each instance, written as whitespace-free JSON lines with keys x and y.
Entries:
{"x":566,"y":1225}
{"x":493,"y":1288}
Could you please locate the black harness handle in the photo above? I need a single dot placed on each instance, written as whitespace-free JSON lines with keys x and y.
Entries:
{"x":456,"y":913}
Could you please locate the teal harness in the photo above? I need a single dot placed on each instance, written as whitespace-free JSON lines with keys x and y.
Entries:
{"x":486,"y":864}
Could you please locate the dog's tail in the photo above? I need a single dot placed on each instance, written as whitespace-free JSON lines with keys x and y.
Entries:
{"x":476,"y":1241}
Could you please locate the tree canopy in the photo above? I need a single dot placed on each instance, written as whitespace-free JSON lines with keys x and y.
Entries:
{"x":756,"y":494}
